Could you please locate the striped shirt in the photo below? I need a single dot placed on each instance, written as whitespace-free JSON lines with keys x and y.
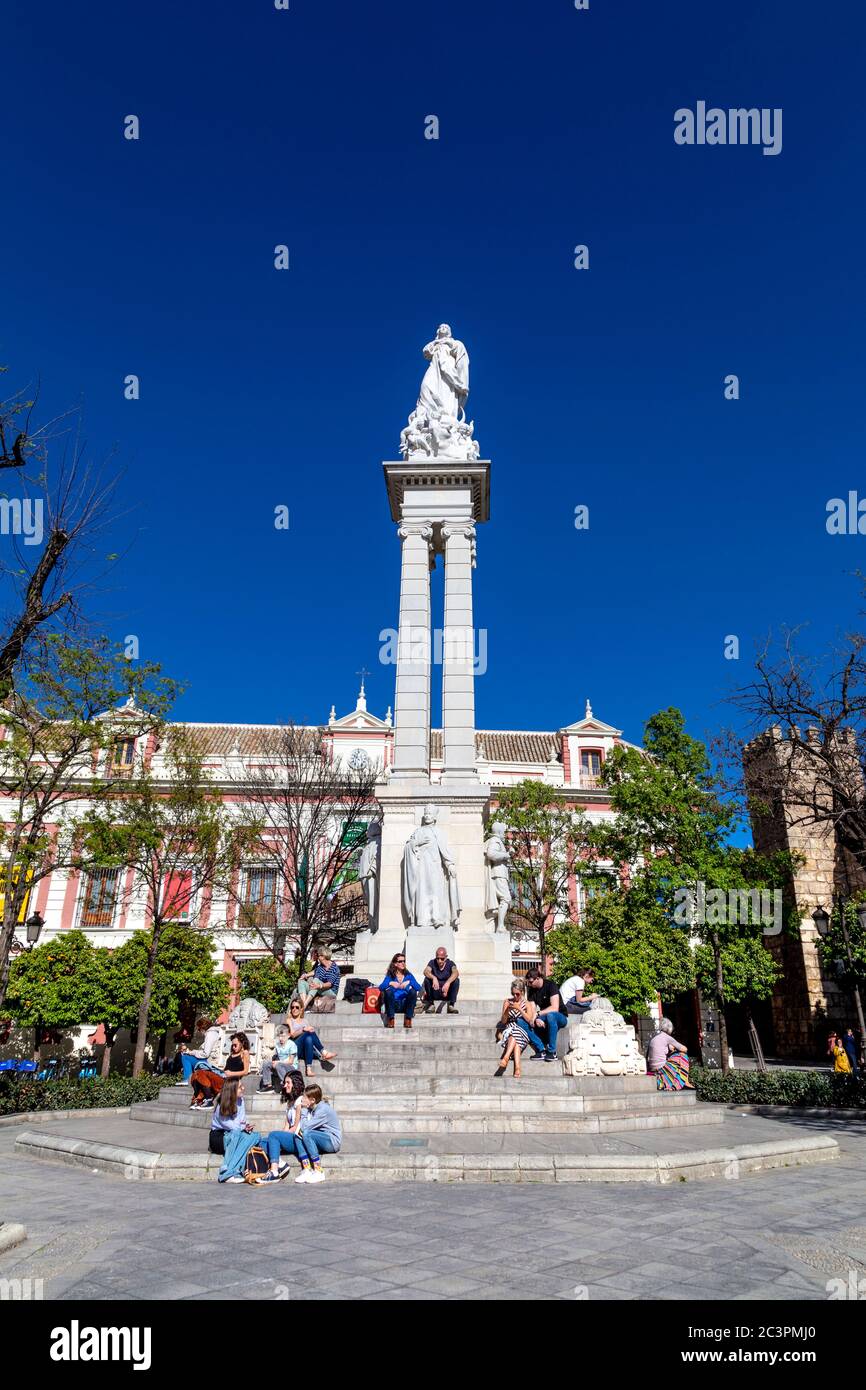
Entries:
{"x":329,"y":975}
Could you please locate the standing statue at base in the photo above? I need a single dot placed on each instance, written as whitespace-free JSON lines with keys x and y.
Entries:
{"x":431,"y":896}
{"x":368,"y":870}
{"x":497,"y":895}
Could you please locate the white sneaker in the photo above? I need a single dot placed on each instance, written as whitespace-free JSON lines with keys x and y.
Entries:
{"x":316,"y":1175}
{"x":236,"y":1177}
{"x":304,"y":1176}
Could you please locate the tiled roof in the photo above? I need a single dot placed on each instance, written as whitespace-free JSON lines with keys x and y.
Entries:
{"x":221,"y":740}
{"x":491,"y":745}
{"x":506,"y":746}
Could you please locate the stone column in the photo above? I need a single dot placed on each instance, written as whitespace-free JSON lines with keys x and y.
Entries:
{"x":458,"y":645}
{"x":412,"y":695}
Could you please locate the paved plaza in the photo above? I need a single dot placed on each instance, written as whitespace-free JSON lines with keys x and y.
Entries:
{"x":779,"y":1235}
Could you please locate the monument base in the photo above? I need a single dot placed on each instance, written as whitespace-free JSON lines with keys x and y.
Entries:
{"x":482,"y":955}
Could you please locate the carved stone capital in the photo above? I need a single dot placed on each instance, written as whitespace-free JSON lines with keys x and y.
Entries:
{"x":459,"y":528}
{"x":415,"y":528}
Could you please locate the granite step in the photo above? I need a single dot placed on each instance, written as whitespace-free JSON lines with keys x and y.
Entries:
{"x":546,"y":1080}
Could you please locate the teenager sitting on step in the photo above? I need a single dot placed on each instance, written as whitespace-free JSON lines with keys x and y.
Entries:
{"x":400,"y":992}
{"x":312,"y":1128}
{"x":229,"y":1114}
{"x":305,"y":1037}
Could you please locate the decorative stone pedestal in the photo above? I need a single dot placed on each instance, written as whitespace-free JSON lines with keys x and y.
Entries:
{"x":601,"y":1043}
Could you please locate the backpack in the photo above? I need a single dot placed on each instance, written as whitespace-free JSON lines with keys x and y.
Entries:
{"x":257,"y":1163}
{"x":353,"y":993}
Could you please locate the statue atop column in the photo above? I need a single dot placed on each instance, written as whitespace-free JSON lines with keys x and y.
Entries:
{"x":431,"y":896}
{"x":438,"y":427}
{"x":497,"y":896}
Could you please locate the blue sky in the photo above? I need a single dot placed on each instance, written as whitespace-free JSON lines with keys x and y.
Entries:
{"x":601,"y":387}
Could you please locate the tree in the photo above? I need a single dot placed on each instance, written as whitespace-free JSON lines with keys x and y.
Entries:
{"x":55,"y":985}
{"x":673,"y":827}
{"x":270,"y":981}
{"x":54,"y":557}
{"x":550,"y":844}
{"x":809,"y":714}
{"x":185,"y":981}
{"x":843,"y":953}
{"x":57,"y":760}
{"x":175,"y":833}
{"x":308,"y":818}
{"x":631,"y":945}
{"x":748,"y":971}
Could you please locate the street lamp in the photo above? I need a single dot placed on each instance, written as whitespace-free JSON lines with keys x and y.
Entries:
{"x":821,"y":918}
{"x":34,"y":925}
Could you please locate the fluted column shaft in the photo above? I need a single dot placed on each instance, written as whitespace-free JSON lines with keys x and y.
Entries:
{"x":458,"y":650}
{"x":412,"y":694}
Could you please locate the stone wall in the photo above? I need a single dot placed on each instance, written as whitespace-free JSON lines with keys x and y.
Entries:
{"x":805,"y":1004}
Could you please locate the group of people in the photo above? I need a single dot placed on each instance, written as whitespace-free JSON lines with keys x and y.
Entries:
{"x":845,"y":1053}
{"x":400,"y":991}
{"x":297,"y":1042}
{"x":312,"y":1128}
{"x":535,"y":1011}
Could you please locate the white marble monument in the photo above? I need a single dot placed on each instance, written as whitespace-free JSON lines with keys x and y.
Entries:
{"x":431,"y":869}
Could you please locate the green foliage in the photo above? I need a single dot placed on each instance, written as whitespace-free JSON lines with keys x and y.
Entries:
{"x":674,"y":827}
{"x":184,"y":978}
{"x":269,"y":981}
{"x":634,"y":951}
{"x":56,"y":985}
{"x":844,"y":961}
{"x":749,"y":971}
{"x":779,"y":1087}
{"x":548,"y":842}
{"x":19,"y":1094}
{"x":68,"y":981}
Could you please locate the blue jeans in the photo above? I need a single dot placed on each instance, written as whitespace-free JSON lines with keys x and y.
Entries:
{"x":406,"y":1005}
{"x":277,"y":1142}
{"x":553,"y":1023}
{"x":309,"y":1045}
{"x":534,"y":1040}
{"x":311,"y":1143}
{"x":189,"y":1063}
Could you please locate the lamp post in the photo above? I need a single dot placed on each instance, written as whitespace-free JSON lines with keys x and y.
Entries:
{"x":821,"y":918}
{"x":34,"y":924}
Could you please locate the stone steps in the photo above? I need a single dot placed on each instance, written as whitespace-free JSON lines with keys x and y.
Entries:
{"x":547,"y":1080}
{"x":706,"y":1159}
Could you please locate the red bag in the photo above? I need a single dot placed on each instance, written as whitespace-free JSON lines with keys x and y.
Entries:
{"x":372,"y":1001}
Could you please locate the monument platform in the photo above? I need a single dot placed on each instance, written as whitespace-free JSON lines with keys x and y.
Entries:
{"x":423,"y":1104}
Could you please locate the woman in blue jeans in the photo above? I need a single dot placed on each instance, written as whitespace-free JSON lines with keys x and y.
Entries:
{"x":312,"y":1128}
{"x":305,"y":1038}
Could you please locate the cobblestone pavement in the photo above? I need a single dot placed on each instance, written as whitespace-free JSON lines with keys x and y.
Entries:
{"x":778,"y":1235}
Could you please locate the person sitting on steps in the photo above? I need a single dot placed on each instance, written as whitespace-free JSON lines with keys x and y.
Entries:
{"x":441,"y":982}
{"x":517,"y":1011}
{"x":400,"y":992}
{"x":312,"y":1128}
{"x":283,"y":1060}
{"x":572,"y":993}
{"x":229,"y":1114}
{"x":305,"y":1038}
{"x":322,"y":982}
{"x":544,"y":994}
